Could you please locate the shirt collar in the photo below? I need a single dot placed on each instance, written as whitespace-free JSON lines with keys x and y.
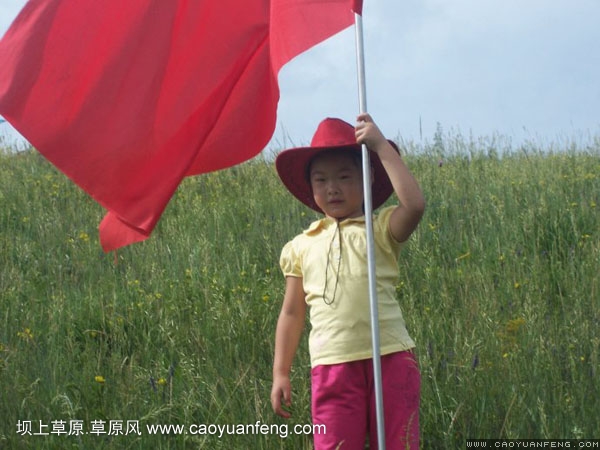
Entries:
{"x":325,"y":222}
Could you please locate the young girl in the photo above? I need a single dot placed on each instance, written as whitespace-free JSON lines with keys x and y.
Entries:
{"x":326,"y":270}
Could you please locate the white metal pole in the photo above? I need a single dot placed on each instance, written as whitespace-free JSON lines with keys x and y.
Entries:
{"x":362,"y":94}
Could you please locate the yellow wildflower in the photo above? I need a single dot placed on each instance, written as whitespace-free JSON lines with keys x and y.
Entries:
{"x":25,"y":334}
{"x":512,"y":326}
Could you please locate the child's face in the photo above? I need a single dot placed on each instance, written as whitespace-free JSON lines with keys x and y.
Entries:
{"x":336,"y":181}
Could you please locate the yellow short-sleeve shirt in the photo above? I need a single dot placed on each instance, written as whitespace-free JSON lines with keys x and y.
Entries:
{"x":339,"y":300}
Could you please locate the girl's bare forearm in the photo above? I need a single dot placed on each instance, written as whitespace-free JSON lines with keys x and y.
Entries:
{"x":287,"y":337}
{"x":405,"y":185}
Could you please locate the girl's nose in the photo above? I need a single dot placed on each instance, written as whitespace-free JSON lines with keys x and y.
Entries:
{"x":332,"y":187}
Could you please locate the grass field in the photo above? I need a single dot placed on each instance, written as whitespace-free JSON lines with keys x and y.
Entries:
{"x":500,"y":286}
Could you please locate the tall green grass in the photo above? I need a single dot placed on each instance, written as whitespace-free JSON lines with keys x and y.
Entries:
{"x":499,"y":286}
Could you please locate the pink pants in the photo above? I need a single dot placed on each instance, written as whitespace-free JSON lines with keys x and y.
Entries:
{"x":343,"y":399}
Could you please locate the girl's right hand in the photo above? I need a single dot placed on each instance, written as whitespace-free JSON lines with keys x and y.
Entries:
{"x":281,"y":396}
{"x":368,"y":133}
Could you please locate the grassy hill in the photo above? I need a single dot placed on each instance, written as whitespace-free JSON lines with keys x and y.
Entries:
{"x":499,"y":286}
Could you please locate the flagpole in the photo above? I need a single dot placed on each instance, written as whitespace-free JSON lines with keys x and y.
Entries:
{"x":362,"y":97}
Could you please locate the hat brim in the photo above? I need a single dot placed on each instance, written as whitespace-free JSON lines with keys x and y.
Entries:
{"x":292,"y":166}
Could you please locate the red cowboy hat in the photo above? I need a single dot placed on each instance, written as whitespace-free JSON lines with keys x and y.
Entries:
{"x":332,"y":134}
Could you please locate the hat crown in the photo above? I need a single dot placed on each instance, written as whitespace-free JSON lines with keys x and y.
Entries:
{"x":332,"y":133}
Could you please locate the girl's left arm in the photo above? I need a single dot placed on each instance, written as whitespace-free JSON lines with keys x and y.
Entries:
{"x":408,"y":213}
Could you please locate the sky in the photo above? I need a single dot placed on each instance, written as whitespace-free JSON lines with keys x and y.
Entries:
{"x":523,"y":70}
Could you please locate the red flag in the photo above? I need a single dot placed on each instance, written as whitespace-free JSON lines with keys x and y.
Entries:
{"x":129,"y":97}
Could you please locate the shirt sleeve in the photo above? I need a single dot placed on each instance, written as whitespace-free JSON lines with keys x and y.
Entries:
{"x":382,"y":224}
{"x":290,"y":262}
